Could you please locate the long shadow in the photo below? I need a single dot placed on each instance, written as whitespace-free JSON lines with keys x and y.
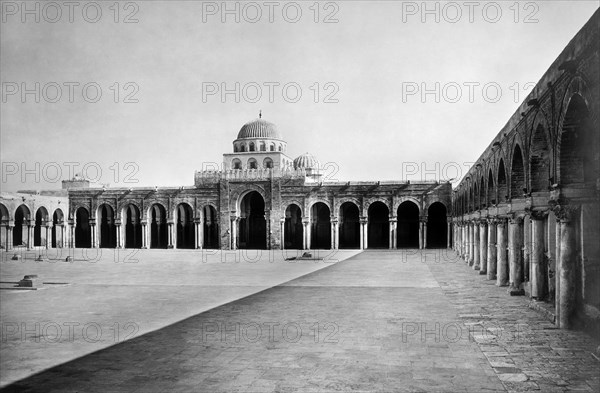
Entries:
{"x":158,"y":356}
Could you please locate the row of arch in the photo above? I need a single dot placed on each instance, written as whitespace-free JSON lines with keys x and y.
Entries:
{"x":22,"y":220}
{"x":569,"y":159}
{"x":242,"y":147}
{"x":184,"y":227}
{"x":183,"y":233}
{"x":252,"y":163}
{"x":252,"y":227}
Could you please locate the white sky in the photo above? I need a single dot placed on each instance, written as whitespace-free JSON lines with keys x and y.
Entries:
{"x":370,"y":54}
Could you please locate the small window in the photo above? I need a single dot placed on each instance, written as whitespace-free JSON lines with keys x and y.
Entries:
{"x":243,"y":148}
{"x":251,"y":146}
{"x":280,"y":148}
{"x":236,"y":164}
{"x":263,"y":147}
{"x":272,"y":147}
{"x":252,"y":164}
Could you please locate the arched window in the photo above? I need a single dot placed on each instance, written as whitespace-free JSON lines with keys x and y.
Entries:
{"x":263,"y":147}
{"x":271,"y":147}
{"x":280,"y":148}
{"x":236,"y":164}
{"x":251,"y":148}
{"x":235,"y":148}
{"x":268,"y":163}
{"x":242,"y":148}
{"x":252,"y":164}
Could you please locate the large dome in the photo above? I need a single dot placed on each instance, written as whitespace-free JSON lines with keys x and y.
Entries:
{"x":259,"y":128}
{"x":306,"y":161}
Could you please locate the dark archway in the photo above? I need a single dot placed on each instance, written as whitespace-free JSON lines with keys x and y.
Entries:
{"x":349,"y":226}
{"x":108,"y":229}
{"x":539,"y":162}
{"x":320,"y":224}
{"x":83,"y":232}
{"x":58,"y":220}
{"x":408,"y":225}
{"x":133,"y":227}
{"x":39,"y":231}
{"x":482,"y":199}
{"x":379,"y":225}
{"x":185,"y":227}
{"x":159,"y":233}
{"x":22,"y":217}
{"x":211,"y":228}
{"x":253,"y":226}
{"x":437,"y":229}
{"x":491,"y":194}
{"x":502,"y":185}
{"x":293,"y":230}
{"x":577,"y":145}
{"x":517,"y":174}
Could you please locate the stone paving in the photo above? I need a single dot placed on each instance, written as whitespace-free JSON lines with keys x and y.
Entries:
{"x":379,"y":321}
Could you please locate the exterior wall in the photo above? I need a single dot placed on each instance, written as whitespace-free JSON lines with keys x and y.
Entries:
{"x":553,"y":220}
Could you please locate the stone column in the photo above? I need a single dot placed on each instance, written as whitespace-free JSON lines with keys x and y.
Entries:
{"x":476,"y":246}
{"x":197,"y":233}
{"x":362,"y":235}
{"x":420,"y":234}
{"x":483,"y":236}
{"x":471,"y":243}
{"x":567,"y":267}
{"x":93,"y":232}
{"x":334,"y":233}
{"x":30,"y":227}
{"x":9,"y":236}
{"x":515,"y":238}
{"x":501,"y":243}
{"x":337,"y":234}
{"x":449,"y":233}
{"x":233,"y":234}
{"x":144,"y":234}
{"x":282,"y":230}
{"x":170,"y":234}
{"x":424,"y":233}
{"x":538,"y":271}
{"x":48,"y":229}
{"x":365,"y":225}
{"x":305,"y":234}
{"x":201,"y":233}
{"x":393,"y":233}
{"x":61,"y":242}
{"x":120,"y":241}
{"x":492,"y":252}
{"x":71,"y":234}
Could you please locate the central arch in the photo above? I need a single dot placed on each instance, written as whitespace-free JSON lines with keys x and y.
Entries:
{"x":436,"y":226}
{"x":320,"y":226}
{"x":293,"y":230}
{"x":185,"y":227}
{"x":349,"y":226}
{"x":252,"y":226}
{"x":379,"y":225}
{"x":408,"y":225}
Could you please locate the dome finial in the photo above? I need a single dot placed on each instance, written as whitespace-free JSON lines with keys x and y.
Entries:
{"x":260,"y":114}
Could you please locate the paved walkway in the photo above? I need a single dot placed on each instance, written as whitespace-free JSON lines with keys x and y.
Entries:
{"x":380,"y":321}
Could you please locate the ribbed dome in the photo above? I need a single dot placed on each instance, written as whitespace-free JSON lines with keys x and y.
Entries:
{"x":259,"y":128}
{"x":306,"y":161}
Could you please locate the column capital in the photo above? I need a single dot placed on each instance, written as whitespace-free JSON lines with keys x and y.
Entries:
{"x":538,"y":214}
{"x":565,"y":213}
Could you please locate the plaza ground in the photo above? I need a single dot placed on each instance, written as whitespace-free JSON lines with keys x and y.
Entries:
{"x":402,"y":320}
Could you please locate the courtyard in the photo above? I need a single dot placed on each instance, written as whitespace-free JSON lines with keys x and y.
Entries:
{"x":216,"y":321}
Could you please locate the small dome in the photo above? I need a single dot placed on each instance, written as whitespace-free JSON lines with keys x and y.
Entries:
{"x":259,"y":128}
{"x":306,"y":161}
